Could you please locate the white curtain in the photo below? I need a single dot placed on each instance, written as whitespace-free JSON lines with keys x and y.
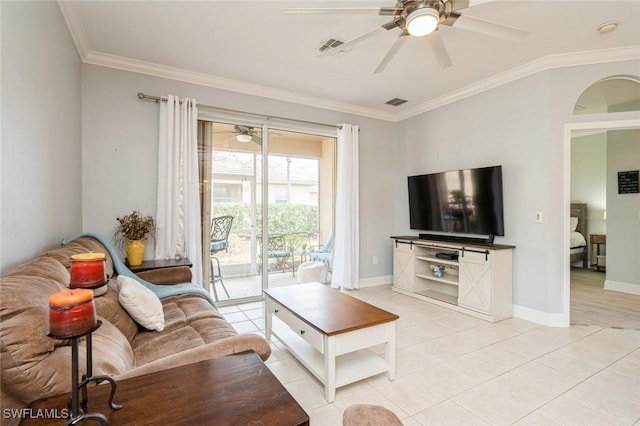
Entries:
{"x":178,"y":206}
{"x":346,"y":260}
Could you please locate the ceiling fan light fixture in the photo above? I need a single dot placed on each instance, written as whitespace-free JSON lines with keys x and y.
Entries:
{"x":422,"y":21}
{"x":244,"y":138}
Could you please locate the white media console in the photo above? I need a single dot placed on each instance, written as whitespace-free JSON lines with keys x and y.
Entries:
{"x":473,"y":278}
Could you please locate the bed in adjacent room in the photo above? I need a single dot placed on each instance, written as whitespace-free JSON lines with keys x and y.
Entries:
{"x":578,"y":235}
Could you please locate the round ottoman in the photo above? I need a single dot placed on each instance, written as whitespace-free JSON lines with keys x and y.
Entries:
{"x":313,"y":271}
{"x":369,"y":415}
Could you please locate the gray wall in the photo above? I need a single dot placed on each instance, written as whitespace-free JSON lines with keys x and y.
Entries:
{"x":40,"y":175}
{"x":520,"y":125}
{"x":623,"y":213}
{"x":120,"y":134}
{"x":589,"y":178}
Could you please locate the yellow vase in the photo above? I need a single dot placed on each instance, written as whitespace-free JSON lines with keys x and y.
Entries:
{"x":135,"y":252}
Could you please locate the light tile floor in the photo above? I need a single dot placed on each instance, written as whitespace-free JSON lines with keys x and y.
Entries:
{"x":453,"y":369}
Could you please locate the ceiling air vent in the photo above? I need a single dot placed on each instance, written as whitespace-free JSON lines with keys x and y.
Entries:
{"x":332,"y":43}
{"x":395,"y":101}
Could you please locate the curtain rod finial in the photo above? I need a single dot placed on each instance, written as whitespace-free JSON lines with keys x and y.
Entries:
{"x":140,"y":95}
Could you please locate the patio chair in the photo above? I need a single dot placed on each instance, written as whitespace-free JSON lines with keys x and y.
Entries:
{"x":220,"y":228}
{"x":323,"y":253}
{"x":277,"y":249}
{"x":298,"y":244}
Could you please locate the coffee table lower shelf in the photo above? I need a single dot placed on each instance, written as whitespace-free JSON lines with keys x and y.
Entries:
{"x":351,"y":362}
{"x":350,"y":367}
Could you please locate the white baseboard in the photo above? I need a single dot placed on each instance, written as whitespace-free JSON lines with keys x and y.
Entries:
{"x":521,"y":312}
{"x":375,"y":281}
{"x":543,"y":318}
{"x":622,"y":287}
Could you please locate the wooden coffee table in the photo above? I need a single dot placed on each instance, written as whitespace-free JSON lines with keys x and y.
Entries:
{"x":330,"y":333}
{"x":231,"y":390}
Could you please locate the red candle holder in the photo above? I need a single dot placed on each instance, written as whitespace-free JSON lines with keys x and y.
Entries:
{"x":88,"y":270}
{"x":71,"y":313}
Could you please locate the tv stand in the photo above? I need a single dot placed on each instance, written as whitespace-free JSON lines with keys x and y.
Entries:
{"x":457,"y":238}
{"x":473,"y":276}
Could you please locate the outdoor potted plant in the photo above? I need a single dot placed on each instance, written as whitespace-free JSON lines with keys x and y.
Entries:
{"x":133,"y":229}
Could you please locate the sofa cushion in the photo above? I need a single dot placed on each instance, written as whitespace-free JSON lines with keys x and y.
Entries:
{"x":141,"y":303}
{"x":189,"y":322}
{"x":43,"y":267}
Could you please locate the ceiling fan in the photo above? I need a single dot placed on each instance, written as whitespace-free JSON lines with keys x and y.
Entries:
{"x":418,"y":18}
{"x":245,"y":134}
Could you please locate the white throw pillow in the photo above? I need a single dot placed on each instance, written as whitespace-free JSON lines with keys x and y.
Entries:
{"x":141,"y":303}
{"x":573,"y":223}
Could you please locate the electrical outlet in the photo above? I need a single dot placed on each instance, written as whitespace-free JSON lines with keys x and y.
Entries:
{"x":375,"y":260}
{"x":538,"y":217}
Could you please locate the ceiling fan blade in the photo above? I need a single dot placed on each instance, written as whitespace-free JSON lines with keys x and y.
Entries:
{"x":395,"y":48}
{"x":331,"y":10}
{"x":489,"y":28}
{"x":351,"y":43}
{"x":439,"y":49}
{"x":473,"y":3}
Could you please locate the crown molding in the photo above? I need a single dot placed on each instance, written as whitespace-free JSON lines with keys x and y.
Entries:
{"x":88,"y":56}
{"x":74,"y":23}
{"x":142,"y":67}
{"x":542,"y":64}
{"x":76,"y":29}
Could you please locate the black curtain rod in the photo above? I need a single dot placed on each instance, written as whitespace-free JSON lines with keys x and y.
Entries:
{"x":215,"y":108}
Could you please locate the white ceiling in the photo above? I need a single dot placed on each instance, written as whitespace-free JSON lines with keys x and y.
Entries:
{"x":252,"y":47}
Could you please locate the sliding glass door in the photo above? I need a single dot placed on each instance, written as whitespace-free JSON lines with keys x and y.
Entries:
{"x":295,"y":173}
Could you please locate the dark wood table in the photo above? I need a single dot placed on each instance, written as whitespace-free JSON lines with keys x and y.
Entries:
{"x":231,"y":390}
{"x":160,"y":264}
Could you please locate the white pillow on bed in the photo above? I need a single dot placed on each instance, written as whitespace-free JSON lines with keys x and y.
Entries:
{"x":573,"y":224}
{"x":576,"y":239}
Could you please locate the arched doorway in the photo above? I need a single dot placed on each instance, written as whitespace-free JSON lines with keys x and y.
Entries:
{"x":608,"y":124}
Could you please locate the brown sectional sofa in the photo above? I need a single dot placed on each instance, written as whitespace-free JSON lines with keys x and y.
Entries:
{"x":34,"y":366}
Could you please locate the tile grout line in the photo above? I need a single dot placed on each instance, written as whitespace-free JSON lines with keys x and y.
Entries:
{"x":581,"y":381}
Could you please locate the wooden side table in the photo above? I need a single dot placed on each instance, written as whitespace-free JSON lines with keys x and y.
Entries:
{"x":230,"y":390}
{"x":160,"y":264}
{"x":598,"y":260}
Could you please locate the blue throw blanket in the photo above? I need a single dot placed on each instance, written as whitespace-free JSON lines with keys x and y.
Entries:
{"x":162,"y":291}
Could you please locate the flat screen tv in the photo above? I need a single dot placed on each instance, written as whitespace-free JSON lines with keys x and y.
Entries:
{"x":463,"y":201}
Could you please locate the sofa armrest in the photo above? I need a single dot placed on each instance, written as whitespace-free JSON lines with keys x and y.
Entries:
{"x":228,"y":346}
{"x":167,"y":276}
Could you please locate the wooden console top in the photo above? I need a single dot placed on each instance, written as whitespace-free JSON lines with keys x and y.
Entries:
{"x":417,"y":240}
{"x":328,"y":310}
{"x":230,"y":390}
